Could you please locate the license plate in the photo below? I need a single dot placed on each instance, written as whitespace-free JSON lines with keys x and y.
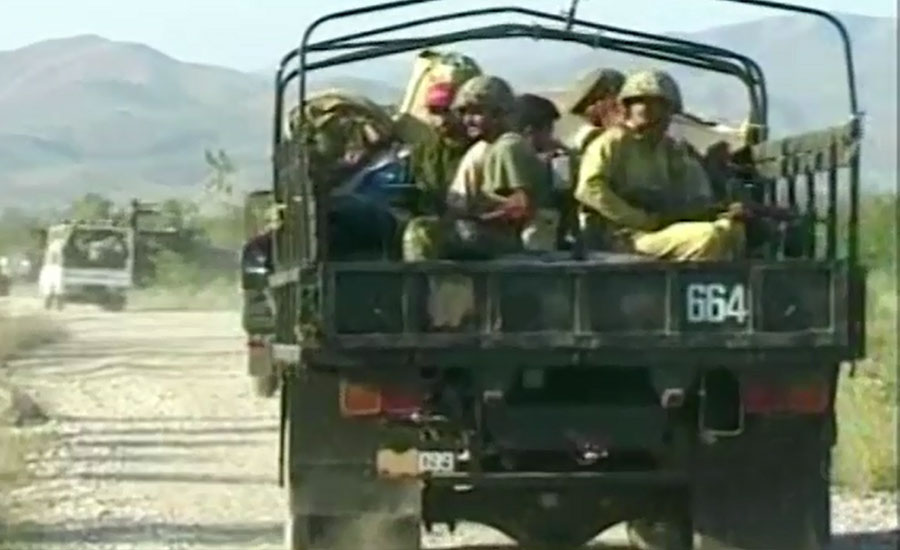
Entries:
{"x":436,"y":462}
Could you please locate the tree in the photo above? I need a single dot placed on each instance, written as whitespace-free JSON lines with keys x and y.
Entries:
{"x":178,"y":214}
{"x":221,"y":171}
{"x":91,"y":207}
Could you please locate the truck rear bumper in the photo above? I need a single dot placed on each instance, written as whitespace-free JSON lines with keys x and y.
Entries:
{"x":486,"y":357}
{"x":547,"y":481}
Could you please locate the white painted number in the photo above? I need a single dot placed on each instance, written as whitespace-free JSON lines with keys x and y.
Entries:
{"x":436,"y":461}
{"x":714,"y":303}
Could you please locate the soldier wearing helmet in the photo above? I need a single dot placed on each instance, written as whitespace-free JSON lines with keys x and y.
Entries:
{"x":594,"y":97}
{"x":496,"y":187}
{"x":637,"y":186}
{"x":434,"y":160}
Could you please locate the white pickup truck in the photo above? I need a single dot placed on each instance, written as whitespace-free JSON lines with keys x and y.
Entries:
{"x":87,"y":263}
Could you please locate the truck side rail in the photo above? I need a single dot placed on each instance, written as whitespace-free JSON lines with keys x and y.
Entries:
{"x":800,"y":173}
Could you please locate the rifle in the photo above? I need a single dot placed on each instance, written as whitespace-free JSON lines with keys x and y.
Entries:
{"x":751,"y":210}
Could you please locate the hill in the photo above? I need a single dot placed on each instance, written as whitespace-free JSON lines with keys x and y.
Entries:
{"x":86,"y":113}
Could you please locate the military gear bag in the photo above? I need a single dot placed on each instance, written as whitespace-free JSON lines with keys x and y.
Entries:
{"x":344,"y":130}
{"x":430,"y":68}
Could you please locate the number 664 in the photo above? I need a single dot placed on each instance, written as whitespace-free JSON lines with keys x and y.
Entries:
{"x":716,"y":303}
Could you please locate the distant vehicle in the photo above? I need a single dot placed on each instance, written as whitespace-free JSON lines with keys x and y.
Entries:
{"x":89,"y":263}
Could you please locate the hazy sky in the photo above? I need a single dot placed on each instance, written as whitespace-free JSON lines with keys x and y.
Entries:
{"x":251,"y":34}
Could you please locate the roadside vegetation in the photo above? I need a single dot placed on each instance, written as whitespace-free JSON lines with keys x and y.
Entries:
{"x":186,"y":251}
{"x":866,"y":457}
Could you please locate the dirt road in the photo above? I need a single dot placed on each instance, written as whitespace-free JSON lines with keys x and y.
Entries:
{"x":160,"y":444}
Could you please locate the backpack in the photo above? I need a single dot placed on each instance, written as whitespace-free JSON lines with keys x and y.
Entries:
{"x":432,"y":67}
{"x":344,"y":130}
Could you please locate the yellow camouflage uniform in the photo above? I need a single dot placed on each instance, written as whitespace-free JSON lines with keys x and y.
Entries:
{"x":628,"y":186}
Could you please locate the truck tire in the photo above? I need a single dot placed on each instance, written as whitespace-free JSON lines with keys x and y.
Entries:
{"x":114,"y":302}
{"x":552,"y":536}
{"x":649,"y":535}
{"x":332,"y":489}
{"x":767,"y":489}
{"x":265,"y":386}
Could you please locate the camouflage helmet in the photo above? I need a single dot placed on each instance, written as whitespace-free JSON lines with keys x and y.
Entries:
{"x":652,"y":84}
{"x":485,"y":91}
{"x":593,"y":85}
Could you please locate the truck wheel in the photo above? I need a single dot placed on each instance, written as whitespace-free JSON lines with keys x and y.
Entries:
{"x":767,"y":489}
{"x":265,"y":386}
{"x":549,"y":536}
{"x":658,"y":535}
{"x":115,"y":302}
{"x":308,"y":532}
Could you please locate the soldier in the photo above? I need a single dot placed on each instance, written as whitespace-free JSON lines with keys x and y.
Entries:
{"x":434,"y":161}
{"x":594,"y":97}
{"x":536,"y":117}
{"x":637,"y":186}
{"x":497,"y":186}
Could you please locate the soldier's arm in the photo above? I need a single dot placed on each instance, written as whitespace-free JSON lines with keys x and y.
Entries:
{"x":594,"y":187}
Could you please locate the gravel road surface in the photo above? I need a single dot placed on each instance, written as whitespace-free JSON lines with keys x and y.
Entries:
{"x":159,"y":443}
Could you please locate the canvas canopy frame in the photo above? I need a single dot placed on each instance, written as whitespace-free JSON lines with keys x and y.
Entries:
{"x":315,"y":55}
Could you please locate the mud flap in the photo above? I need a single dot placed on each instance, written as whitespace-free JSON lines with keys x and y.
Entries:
{"x":767,"y":489}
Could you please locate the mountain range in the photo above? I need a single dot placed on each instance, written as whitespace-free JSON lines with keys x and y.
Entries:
{"x":85,"y":113}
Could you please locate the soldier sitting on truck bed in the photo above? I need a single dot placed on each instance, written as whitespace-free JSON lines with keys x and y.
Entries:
{"x":535,"y":119}
{"x":434,"y":160}
{"x":637,"y":186}
{"x":497,"y":187}
{"x":595,"y":98}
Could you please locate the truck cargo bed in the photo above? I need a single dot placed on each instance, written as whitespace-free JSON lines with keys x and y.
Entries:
{"x":603,"y":305}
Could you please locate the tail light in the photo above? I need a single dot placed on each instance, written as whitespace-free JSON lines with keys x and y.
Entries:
{"x":806,"y":398}
{"x":357,"y":400}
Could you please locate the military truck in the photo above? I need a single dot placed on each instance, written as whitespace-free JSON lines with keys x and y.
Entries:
{"x":88,"y":262}
{"x":554,"y":395}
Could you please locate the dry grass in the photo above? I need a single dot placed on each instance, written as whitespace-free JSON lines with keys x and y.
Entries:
{"x":866,"y":456}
